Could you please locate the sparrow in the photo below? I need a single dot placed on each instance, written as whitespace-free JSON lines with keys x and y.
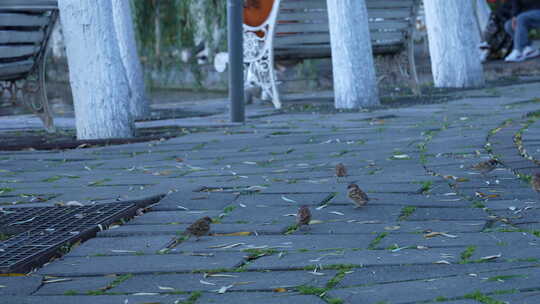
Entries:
{"x":341,"y":171}
{"x":200,"y":227}
{"x":356,"y":195}
{"x":486,"y":166}
{"x":303,"y":217}
{"x":535,"y":182}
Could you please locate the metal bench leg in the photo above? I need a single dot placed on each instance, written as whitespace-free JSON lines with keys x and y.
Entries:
{"x":276,"y":100}
{"x":35,"y":96}
{"x":259,"y":62}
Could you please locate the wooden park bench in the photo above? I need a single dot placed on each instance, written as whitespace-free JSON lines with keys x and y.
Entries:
{"x":25,"y":29}
{"x":298,"y":29}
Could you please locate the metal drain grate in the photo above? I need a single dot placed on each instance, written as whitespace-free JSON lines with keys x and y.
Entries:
{"x":40,"y":232}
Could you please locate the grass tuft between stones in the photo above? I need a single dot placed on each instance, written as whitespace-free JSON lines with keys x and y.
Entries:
{"x":482,"y":298}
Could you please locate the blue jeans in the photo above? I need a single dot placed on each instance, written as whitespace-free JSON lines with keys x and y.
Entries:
{"x":525,"y":21}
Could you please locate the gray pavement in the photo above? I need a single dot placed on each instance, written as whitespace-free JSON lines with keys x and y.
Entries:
{"x":434,"y":230}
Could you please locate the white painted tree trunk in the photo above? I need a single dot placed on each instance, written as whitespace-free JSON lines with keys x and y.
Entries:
{"x":453,"y":44}
{"x":355,"y":83}
{"x":97,"y":76}
{"x":128,"y":51}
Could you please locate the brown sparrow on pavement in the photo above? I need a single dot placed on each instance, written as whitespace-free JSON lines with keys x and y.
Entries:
{"x":486,"y":166}
{"x":303,"y":217}
{"x":341,"y":171}
{"x":356,"y":195}
{"x":200,"y":227}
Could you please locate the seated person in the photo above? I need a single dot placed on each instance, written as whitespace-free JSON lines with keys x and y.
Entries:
{"x":497,"y":43}
{"x":525,"y":16}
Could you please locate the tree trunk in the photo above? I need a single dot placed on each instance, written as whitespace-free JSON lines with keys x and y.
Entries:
{"x":97,"y":76}
{"x":128,"y":51}
{"x":355,"y":83}
{"x":157,"y":30}
{"x":453,"y":44}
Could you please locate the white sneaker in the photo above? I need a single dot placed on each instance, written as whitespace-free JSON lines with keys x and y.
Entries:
{"x":515,"y":56}
{"x":530,"y":52}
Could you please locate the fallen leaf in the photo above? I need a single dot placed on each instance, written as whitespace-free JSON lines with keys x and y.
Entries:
{"x":280,"y":289}
{"x":491,"y":257}
{"x":219,"y":275}
{"x":337,"y":213}
{"x":56,"y":280}
{"x":227,"y":246}
{"x":401,"y":156}
{"x":435,"y":233}
{"x":313,"y":222}
{"x":399,"y":249}
{"x":449,"y":235}
{"x":287,"y":199}
{"x":224,"y":289}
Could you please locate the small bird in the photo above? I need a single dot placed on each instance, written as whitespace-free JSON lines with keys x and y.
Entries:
{"x":356,"y":195}
{"x":200,"y":227}
{"x":303,"y":217}
{"x":341,"y":171}
{"x":535,"y":182}
{"x":485,"y":166}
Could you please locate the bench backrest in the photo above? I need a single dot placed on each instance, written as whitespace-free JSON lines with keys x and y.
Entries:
{"x":25,"y":27}
{"x":302,"y":27}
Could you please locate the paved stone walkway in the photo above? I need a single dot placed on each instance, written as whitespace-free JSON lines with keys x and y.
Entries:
{"x":434,"y":230}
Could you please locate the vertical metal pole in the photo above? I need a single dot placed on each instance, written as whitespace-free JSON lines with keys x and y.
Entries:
{"x":236,"y":59}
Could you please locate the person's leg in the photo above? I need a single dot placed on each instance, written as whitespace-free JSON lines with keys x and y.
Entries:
{"x":508,"y":28}
{"x":525,"y":22}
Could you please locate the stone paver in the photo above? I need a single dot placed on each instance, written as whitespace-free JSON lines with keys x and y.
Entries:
{"x":432,"y":226}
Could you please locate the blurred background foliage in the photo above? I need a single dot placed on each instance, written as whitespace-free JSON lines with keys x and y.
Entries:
{"x":175,"y":31}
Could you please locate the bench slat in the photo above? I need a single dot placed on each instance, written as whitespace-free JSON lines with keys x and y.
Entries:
{"x":13,"y":70}
{"x":318,"y":16}
{"x":29,"y":4}
{"x":371,"y":4}
{"x":389,"y":14}
{"x":324,"y":38}
{"x":323,"y":27}
{"x":10,"y":37}
{"x":17,"y":51}
{"x":14,"y":19}
{"x":322,"y":50}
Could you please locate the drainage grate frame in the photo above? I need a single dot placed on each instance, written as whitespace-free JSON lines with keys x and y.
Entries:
{"x":41,"y":232}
